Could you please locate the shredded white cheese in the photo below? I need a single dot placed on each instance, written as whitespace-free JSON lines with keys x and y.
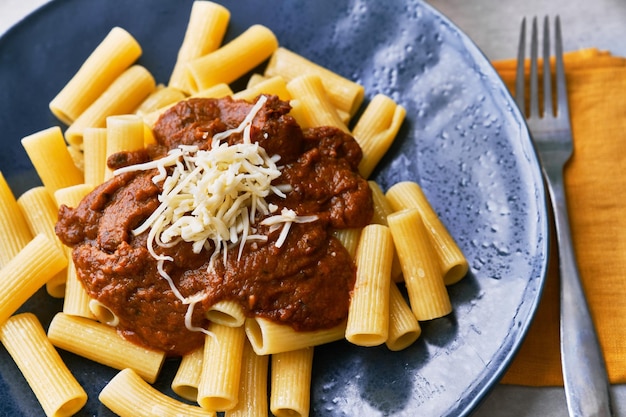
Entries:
{"x":285,"y":219}
{"x":211,"y":198}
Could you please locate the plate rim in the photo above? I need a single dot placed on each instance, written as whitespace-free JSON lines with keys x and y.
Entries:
{"x":488,"y":383}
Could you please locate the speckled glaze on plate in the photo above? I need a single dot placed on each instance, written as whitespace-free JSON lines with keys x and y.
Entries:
{"x":463,"y":141}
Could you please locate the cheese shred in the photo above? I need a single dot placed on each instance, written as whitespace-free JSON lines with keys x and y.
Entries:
{"x":211,"y":199}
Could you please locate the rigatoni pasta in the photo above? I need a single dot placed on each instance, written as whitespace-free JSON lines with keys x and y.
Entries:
{"x":382,"y":209}
{"x":221,"y":368}
{"x":124,"y":133}
{"x":346,"y":95}
{"x":376,"y":129}
{"x":58,"y":392}
{"x":268,"y":337}
{"x":98,"y":311}
{"x":128,"y":395}
{"x":274,"y":86}
{"x":227,"y":313}
{"x":422,"y":274}
{"x":291,"y":383}
{"x":102,"y":344}
{"x":14,"y":228}
{"x":72,"y":195}
{"x":256,"y":79}
{"x":40,"y":212}
{"x":76,"y":300}
{"x":317,"y":109}
{"x":404,"y":329}
{"x":161,"y":97}
{"x":117,"y":51}
{"x":368,"y":315}
{"x":252,"y":398}
{"x":51,"y":159}
{"x":205,"y":31}
{"x":215,"y":91}
{"x":94,"y":154}
{"x":349,"y":238}
{"x":188,"y":375}
{"x":122,"y":97}
{"x":232,"y":60}
{"x":39,"y":261}
{"x":408,"y":194}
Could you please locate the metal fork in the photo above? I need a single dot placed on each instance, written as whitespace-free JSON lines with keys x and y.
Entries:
{"x":584,"y":371}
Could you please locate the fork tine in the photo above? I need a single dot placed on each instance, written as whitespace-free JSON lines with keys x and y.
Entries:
{"x":547,"y":78}
{"x":561,"y":84}
{"x":534,"y":87}
{"x":520,"y":73}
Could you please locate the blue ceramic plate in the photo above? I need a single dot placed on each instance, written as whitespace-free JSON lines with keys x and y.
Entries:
{"x":463,"y":141}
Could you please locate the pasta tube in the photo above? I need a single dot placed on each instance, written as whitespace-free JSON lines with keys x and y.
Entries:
{"x":221,"y":368}
{"x":122,"y":97}
{"x":368,"y":315}
{"x":40,"y":212}
{"x":187,"y":376}
{"x":40,"y":260}
{"x":298,"y":111}
{"x":346,"y":95}
{"x":268,"y":337}
{"x":422,"y":274}
{"x":101,"y":343}
{"x":206,"y":28}
{"x":72,"y":196}
{"x":124,"y":133}
{"x":148,"y":136}
{"x":349,"y":238}
{"x":14,"y":228}
{"x":227,"y":313}
{"x":117,"y":51}
{"x":409,"y":194}
{"x":101,"y":313}
{"x":382,"y":209}
{"x":215,"y":91}
{"x":271,"y":86}
{"x":127,"y":395}
{"x":376,"y":129}
{"x":232,"y":60}
{"x":76,"y":301}
{"x":94,"y":155}
{"x":404,"y":329}
{"x":51,"y":159}
{"x":255,"y":79}
{"x":77,"y":157}
{"x":47,"y":375}
{"x":253,"y":385}
{"x":159,"y":98}
{"x":316,"y":107}
{"x":291,"y":383}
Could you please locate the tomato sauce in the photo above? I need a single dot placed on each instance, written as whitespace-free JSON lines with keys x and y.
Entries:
{"x":305,"y":283}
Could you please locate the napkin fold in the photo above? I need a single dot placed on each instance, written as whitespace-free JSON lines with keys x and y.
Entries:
{"x":595,"y":182}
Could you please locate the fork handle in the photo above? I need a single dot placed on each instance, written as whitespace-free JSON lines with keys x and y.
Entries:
{"x":584,"y":371}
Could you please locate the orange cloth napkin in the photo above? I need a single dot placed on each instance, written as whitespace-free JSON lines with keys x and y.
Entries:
{"x":595,"y":181}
